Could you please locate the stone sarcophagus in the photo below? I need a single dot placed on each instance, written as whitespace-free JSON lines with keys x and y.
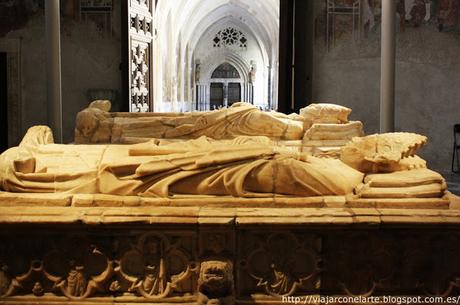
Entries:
{"x":263,"y":209}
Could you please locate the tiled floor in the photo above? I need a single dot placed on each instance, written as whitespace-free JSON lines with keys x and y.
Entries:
{"x":453,"y":182}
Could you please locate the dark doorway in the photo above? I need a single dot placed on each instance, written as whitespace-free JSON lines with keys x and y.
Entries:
{"x":234,"y":93}
{"x":3,"y":103}
{"x":296,"y":55}
{"x":217,"y":95}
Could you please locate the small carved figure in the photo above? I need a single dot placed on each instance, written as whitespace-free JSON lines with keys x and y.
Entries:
{"x":38,"y":290}
{"x":197,"y":71}
{"x":76,"y":281}
{"x":115,"y":286}
{"x":4,"y":280}
{"x":154,"y":282}
{"x":282,"y":283}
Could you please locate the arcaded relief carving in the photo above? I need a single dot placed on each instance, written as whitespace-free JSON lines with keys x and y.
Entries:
{"x":154,"y":268}
{"x":281,"y":264}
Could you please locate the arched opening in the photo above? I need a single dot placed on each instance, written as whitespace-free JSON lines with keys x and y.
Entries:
{"x":225,"y":70}
{"x":225,"y":87}
{"x":195,"y":37}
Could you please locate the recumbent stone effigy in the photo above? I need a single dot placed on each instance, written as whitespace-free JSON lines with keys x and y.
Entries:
{"x":234,"y":206}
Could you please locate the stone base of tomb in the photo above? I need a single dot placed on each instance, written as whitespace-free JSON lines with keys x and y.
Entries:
{"x":84,"y":249}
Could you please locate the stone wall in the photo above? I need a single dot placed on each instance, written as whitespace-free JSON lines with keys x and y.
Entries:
{"x":90,"y":59}
{"x":427,"y":77}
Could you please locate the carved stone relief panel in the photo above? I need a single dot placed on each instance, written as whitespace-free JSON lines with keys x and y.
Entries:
{"x":147,"y":265}
{"x":280,"y":263}
{"x":208,"y":265}
{"x":366,"y":262}
{"x":392,"y":262}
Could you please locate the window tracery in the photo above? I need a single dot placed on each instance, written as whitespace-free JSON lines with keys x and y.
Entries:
{"x":225,"y":70}
{"x":230,"y":37}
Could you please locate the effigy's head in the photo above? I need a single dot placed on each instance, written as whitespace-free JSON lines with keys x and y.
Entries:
{"x":87,"y":123}
{"x":324,"y":113}
{"x":89,"y":119}
{"x":386,"y":152}
{"x":216,"y":278}
{"x":104,"y":105}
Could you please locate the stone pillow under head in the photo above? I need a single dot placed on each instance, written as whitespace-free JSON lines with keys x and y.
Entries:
{"x":325,"y":113}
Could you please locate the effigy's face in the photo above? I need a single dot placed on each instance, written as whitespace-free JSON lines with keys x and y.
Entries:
{"x":87,"y":123}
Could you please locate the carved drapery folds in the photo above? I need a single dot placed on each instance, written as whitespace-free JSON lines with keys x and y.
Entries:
{"x":211,"y":266}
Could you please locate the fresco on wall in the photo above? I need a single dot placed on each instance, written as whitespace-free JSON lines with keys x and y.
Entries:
{"x":448,"y":15}
{"x":14,"y":14}
{"x":99,"y":12}
{"x":336,"y":20}
{"x":441,"y":14}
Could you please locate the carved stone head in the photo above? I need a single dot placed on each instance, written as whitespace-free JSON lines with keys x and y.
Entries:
{"x":382,"y":152}
{"x":324,"y":114}
{"x":216,"y":278}
{"x":87,"y":123}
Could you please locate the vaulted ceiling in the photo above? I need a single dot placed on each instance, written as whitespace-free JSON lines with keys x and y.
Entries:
{"x":189,"y":20}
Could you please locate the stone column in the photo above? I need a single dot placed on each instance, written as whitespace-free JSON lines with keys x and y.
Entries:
{"x":53,"y":68}
{"x":225,"y":94}
{"x":387,"y":76}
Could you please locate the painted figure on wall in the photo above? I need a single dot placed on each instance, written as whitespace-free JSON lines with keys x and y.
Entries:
{"x":447,"y":14}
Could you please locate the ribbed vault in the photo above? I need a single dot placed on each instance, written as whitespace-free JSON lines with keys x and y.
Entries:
{"x":182,"y":25}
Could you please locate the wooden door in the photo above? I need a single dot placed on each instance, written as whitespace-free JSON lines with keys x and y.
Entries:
{"x":138,"y":54}
{"x":234,"y":93}
{"x":217,"y":95}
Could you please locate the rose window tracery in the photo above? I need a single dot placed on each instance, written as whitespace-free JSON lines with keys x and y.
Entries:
{"x":230,"y":37}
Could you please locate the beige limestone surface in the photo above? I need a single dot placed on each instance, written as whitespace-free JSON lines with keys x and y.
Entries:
{"x":239,"y":161}
{"x":325,"y":113}
{"x":384,"y":152}
{"x":243,"y":167}
{"x":95,"y":125}
{"x":320,"y":129}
